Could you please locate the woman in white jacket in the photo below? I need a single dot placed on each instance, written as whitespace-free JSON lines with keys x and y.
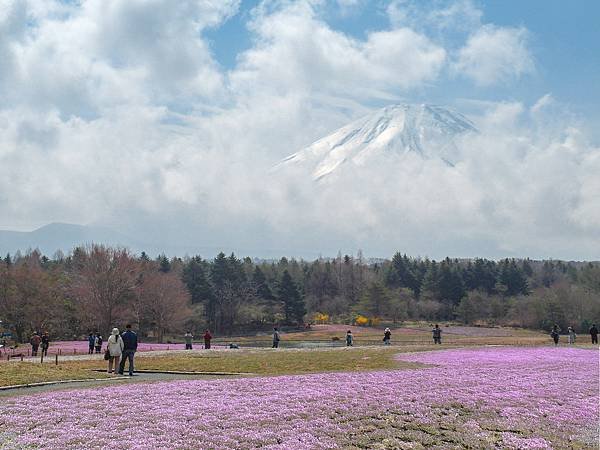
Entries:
{"x":115,"y":348}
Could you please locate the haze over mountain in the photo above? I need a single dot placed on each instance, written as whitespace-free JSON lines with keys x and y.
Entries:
{"x":385,"y":135}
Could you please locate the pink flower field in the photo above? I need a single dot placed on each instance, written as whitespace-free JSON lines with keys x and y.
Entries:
{"x":477,"y":398}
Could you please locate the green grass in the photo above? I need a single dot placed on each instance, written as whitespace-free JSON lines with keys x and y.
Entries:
{"x":281,"y":361}
{"x":14,"y":373}
{"x":260,"y":362}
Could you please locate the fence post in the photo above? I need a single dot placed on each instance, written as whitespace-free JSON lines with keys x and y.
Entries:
{"x":56,"y":359}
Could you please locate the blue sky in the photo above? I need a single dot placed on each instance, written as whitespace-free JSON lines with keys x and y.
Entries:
{"x":564,"y":41}
{"x":164,"y":120}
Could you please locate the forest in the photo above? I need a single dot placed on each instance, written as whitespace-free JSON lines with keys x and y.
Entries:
{"x":96,"y":287}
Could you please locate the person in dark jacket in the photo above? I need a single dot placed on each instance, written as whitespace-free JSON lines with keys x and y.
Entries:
{"x":35,"y":344}
{"x":91,"y":343}
{"x":207,"y":338}
{"x":45,"y":343}
{"x":594,"y":334}
{"x":130,"y":343}
{"x":437,"y":334}
{"x":349,"y":339}
{"x":555,"y":334}
{"x":387,"y":336}
{"x":276,"y":338}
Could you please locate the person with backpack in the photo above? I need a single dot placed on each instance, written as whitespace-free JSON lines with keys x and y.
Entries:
{"x":387,"y":336}
{"x":188,"y":337}
{"x":207,"y":337}
{"x":130,"y":343}
{"x":35,"y":343}
{"x":98,"y":343}
{"x":276,"y":338}
{"x":594,"y":334}
{"x":45,"y":343}
{"x":437,"y":334}
{"x":555,"y":334}
{"x":91,"y":343}
{"x":114,"y":350}
{"x":572,"y":336}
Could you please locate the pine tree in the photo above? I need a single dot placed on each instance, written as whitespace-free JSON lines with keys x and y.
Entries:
{"x":259,"y":281}
{"x":291,"y":298}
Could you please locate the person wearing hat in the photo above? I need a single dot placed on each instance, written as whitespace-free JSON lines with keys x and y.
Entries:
{"x":387,"y":336}
{"x":115,"y":349}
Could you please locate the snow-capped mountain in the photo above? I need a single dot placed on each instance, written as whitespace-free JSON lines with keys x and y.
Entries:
{"x":427,"y":130}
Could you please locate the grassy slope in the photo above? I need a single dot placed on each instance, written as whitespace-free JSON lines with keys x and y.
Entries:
{"x":263,"y":362}
{"x":13,"y":373}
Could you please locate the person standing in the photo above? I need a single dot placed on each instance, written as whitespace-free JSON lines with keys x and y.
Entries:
{"x":572,"y":336}
{"x":98,"y":343}
{"x":115,"y":350}
{"x":555,"y":334}
{"x":130,"y":342}
{"x":437,"y":334}
{"x":91,"y":343}
{"x":207,"y":337}
{"x":188,"y":337}
{"x":349,"y":339}
{"x":387,"y":336}
{"x":276,"y":338}
{"x":45,"y":343}
{"x":594,"y":334}
{"x":35,"y":343}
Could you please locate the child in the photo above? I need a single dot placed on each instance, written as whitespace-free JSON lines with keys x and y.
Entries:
{"x":349,"y":339}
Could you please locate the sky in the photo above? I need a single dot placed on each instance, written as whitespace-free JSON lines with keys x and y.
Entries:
{"x":163,"y":119}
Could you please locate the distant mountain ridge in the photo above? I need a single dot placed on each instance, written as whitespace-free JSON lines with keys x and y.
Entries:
{"x":60,"y":236}
{"x":391,"y":132}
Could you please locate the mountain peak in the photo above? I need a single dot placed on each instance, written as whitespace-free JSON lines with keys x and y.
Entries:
{"x":393,"y":131}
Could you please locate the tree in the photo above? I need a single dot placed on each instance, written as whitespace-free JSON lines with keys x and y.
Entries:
{"x":291,"y":298}
{"x":164,"y":302}
{"x":194,"y":276}
{"x":375,"y":302}
{"x":103,"y":283}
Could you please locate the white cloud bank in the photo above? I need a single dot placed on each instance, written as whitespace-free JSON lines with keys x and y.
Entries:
{"x":116,"y":112}
{"x":494,"y":54}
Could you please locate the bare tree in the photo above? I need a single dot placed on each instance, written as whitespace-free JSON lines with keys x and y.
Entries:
{"x":104,"y":282}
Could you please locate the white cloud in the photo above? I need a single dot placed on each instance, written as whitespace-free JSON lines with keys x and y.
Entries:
{"x":495,"y":55}
{"x":295,"y":51}
{"x":112,"y":112}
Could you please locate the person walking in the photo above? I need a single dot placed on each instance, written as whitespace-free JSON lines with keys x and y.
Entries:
{"x":572,"y":336}
{"x":114,"y":349}
{"x":35,"y":343}
{"x":188,"y":337}
{"x":387,"y":336}
{"x":437,"y":334}
{"x":555,"y":334}
{"x":98,"y":343}
{"x":45,"y":343}
{"x":594,"y":334}
{"x":207,"y":337}
{"x":276,"y":338}
{"x":91,"y":343}
{"x":130,"y":343}
{"x":349,"y":339}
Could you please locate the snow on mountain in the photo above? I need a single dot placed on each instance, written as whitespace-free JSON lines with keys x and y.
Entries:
{"x":391,"y":132}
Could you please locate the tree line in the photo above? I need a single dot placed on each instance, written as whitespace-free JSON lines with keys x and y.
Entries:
{"x":97,"y":287}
